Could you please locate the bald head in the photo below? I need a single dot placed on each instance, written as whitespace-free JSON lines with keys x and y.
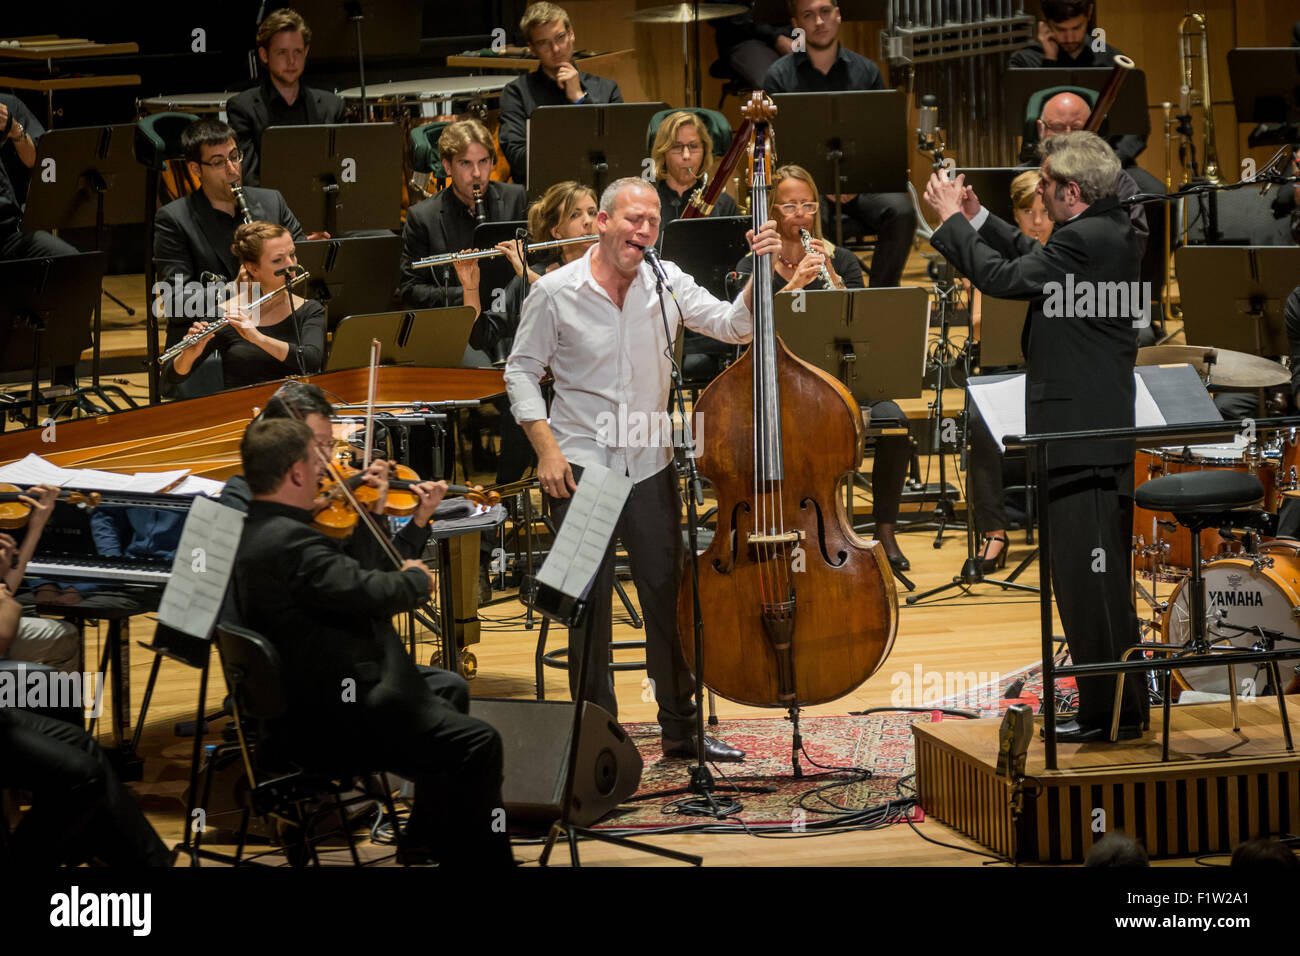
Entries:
{"x":1063,"y":113}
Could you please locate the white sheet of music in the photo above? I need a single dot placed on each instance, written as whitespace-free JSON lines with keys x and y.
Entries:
{"x":201,"y":569}
{"x":588,"y":527}
{"x":1002,"y":406}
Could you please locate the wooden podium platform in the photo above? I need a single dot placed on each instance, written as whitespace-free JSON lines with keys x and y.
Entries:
{"x":1218,"y":789}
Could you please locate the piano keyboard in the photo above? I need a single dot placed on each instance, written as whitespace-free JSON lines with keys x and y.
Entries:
{"x":100,"y":569}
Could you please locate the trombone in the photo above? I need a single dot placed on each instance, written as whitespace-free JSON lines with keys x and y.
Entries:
{"x":222,"y":322}
{"x":453,"y":257}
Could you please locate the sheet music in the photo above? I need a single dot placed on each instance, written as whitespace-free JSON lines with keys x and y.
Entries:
{"x":588,"y":527}
{"x":197,"y":485}
{"x":201,"y":569}
{"x":1002,"y":406}
{"x":35,"y":470}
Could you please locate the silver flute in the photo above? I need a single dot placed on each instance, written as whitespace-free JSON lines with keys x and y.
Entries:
{"x":453,"y":257}
{"x":822,"y":273}
{"x":243,"y":203}
{"x":222,"y":322}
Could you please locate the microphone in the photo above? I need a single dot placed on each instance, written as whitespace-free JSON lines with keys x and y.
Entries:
{"x":1278,"y":165}
{"x":652,"y":258}
{"x":927,"y":122}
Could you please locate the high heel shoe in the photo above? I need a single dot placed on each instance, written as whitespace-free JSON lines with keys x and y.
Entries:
{"x":995,"y":563}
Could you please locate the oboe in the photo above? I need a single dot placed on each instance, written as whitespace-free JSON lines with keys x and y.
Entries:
{"x":220,"y":323}
{"x":480,"y":214}
{"x":822,"y":273}
{"x":243,"y":203}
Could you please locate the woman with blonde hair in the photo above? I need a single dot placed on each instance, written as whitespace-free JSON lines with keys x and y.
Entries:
{"x":280,"y":337}
{"x":794,"y":205}
{"x":683,"y":155}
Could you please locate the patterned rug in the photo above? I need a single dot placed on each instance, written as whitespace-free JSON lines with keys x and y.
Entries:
{"x":1024,"y":686}
{"x":880,"y":743}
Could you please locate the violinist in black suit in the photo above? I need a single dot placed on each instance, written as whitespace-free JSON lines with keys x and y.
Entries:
{"x":281,"y":99}
{"x":446,"y":222}
{"x":355,"y":701}
{"x":1080,"y":377}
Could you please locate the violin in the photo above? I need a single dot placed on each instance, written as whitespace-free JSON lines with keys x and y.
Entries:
{"x":338,"y":518}
{"x":14,"y":512}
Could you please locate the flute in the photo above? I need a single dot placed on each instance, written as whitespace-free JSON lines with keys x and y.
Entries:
{"x":453,"y":257}
{"x":220,"y":323}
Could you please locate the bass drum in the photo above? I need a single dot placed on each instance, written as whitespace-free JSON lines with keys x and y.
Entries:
{"x":1239,"y":598}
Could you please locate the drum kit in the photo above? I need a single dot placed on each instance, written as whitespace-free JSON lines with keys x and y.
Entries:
{"x":1252,"y":583}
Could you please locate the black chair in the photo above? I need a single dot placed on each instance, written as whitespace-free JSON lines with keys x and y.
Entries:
{"x":1199,"y":500}
{"x":280,"y":792}
{"x":732,"y":85}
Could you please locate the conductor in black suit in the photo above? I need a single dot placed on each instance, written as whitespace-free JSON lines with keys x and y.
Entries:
{"x":355,"y":700}
{"x":446,"y":222}
{"x":555,"y":82}
{"x":1080,"y":377}
{"x":193,"y":234}
{"x":281,"y":99}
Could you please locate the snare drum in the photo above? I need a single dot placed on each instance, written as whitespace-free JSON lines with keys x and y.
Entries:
{"x":1239,"y":595}
{"x":1160,"y":530}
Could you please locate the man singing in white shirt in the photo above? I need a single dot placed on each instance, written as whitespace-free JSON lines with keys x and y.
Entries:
{"x":596,"y":324}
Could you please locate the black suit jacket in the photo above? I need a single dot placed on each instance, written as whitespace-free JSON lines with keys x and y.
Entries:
{"x":432,"y":227}
{"x":525,"y":94}
{"x":190,"y":237}
{"x":1080,"y":369}
{"x":249,"y":115}
{"x":329,"y":617}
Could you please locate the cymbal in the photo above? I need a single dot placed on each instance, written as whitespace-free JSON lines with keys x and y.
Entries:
{"x":684,"y":12}
{"x":1223,"y":367}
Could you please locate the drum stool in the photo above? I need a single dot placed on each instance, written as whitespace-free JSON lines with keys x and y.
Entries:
{"x":1200,"y":500}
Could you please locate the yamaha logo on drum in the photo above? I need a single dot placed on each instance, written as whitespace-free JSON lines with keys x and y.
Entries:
{"x":1234,"y":580}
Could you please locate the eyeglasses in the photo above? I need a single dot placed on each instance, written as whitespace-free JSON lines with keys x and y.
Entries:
{"x":1058,"y":128}
{"x":555,"y":42}
{"x":681,"y":149}
{"x":233,"y":159}
{"x":794,"y":208}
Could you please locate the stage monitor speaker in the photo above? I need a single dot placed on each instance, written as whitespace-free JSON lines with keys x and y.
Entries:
{"x":537,"y":739}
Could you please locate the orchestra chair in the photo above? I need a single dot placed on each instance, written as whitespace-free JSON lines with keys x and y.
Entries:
{"x":157,"y":141}
{"x":1199,"y":500}
{"x":717,"y":125}
{"x":280,"y":792}
{"x":732,"y":85}
{"x":424,"y":153}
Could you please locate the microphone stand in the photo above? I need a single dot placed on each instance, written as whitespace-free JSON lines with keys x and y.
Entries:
{"x":701,"y":782}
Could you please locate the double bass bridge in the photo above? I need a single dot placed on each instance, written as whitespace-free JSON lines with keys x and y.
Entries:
{"x":771,"y":545}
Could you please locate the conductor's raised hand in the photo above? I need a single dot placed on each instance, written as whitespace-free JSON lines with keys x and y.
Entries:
{"x":945,"y":195}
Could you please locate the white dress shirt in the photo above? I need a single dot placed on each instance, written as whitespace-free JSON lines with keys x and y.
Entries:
{"x":609,"y":366}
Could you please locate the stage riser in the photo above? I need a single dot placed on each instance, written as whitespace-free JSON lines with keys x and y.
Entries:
{"x":1182,"y":811}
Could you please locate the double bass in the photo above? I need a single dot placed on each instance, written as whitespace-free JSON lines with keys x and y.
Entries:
{"x":797,"y":608}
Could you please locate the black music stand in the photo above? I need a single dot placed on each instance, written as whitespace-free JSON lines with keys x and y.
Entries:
{"x":353,"y":276}
{"x":594,"y":144}
{"x":843,"y":139}
{"x":1128,"y":116}
{"x":496,"y":272}
{"x":993,"y":186}
{"x":1266,"y":91}
{"x":339,"y":177}
{"x":1234,"y":296}
{"x":707,"y":250}
{"x":94,"y":181}
{"x":1002,"y":321}
{"x":427,"y":338}
{"x":43,"y":315}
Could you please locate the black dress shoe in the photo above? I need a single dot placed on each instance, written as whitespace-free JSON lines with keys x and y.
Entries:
{"x":714,"y":750}
{"x":1073,"y":732}
{"x":899,"y":562}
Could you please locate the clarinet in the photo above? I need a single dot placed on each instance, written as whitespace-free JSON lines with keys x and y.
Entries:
{"x":243,"y":203}
{"x":822,"y":273}
{"x":480,"y":213}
